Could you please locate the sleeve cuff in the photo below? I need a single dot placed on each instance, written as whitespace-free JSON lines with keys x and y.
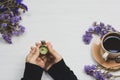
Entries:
{"x":60,"y":71}
{"x":32,"y":72}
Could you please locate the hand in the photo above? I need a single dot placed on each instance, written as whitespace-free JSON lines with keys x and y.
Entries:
{"x":54,"y":54}
{"x":33,"y":56}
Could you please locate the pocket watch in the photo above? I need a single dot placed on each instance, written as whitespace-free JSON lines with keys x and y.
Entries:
{"x":43,"y":48}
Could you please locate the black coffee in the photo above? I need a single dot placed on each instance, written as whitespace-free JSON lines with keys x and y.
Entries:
{"x":112,"y":44}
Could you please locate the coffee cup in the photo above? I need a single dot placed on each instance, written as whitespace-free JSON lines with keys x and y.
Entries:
{"x":110,"y":44}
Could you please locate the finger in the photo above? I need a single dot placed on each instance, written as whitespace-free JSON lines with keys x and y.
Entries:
{"x":51,"y":50}
{"x":36,"y":54}
{"x":37,"y":44}
{"x":32,"y":50}
{"x":43,"y":58}
{"x":40,"y":62}
{"x":29,"y":56}
{"x":56,"y":56}
{"x":39,"y":59}
{"x":32,"y":47}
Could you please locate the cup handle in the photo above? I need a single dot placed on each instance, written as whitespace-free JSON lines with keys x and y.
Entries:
{"x":105,"y":56}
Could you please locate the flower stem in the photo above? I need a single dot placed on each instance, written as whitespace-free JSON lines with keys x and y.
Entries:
{"x":4,"y":2}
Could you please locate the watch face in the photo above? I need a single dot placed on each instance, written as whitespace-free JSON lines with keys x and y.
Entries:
{"x":43,"y":50}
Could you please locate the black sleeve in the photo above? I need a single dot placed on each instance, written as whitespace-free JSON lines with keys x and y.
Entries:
{"x":60,"y":71}
{"x":32,"y":72}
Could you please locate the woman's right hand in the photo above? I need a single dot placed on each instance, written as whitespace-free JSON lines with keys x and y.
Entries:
{"x":54,"y":54}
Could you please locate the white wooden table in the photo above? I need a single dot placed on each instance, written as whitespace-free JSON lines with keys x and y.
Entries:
{"x":62,"y":22}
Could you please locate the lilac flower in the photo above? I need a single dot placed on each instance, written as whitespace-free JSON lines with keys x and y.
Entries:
{"x":13,"y":24}
{"x":15,"y":32}
{"x":6,"y":15}
{"x":2,"y":6}
{"x":3,"y":25}
{"x":22,"y":29}
{"x":90,"y":30}
{"x":10,"y":18}
{"x":2,"y":17}
{"x":98,"y":75}
{"x":7,"y":38}
{"x":3,"y":9}
{"x":105,"y":32}
{"x":87,"y":37}
{"x":108,"y":75}
{"x":102,"y":34}
{"x":108,"y":27}
{"x":25,"y":7}
{"x":99,"y":29}
{"x":15,"y":19}
{"x":89,"y":69}
{"x":18,"y":1}
{"x":15,"y":10}
{"x":113,"y":30}
{"x":18,"y":30}
{"x":11,"y":13}
{"x":102,"y":24}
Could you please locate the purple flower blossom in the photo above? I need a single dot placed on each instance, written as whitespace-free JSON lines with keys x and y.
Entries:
{"x":15,"y":32}
{"x":102,"y":34}
{"x":7,"y":38}
{"x":87,"y":37}
{"x":108,"y":27}
{"x":10,"y":18}
{"x":96,"y":73}
{"x":90,"y":30}
{"x":99,"y":29}
{"x":3,"y":9}
{"x":3,"y":16}
{"x":22,"y":29}
{"x":18,"y":30}
{"x":11,"y":13}
{"x":102,"y":24}
{"x":2,"y":6}
{"x":3,"y":25}
{"x":89,"y":69}
{"x":19,"y":1}
{"x":113,"y":30}
{"x":15,"y":10}
{"x":105,"y":32}
{"x":25,"y":7}
{"x":15,"y":19}
{"x":108,"y":75}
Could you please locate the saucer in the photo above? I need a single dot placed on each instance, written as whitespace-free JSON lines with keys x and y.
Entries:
{"x":97,"y":51}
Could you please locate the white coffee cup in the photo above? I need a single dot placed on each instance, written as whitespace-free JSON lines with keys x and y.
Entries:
{"x":110,"y":44}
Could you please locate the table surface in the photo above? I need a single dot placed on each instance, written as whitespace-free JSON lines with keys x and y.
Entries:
{"x":62,"y":22}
